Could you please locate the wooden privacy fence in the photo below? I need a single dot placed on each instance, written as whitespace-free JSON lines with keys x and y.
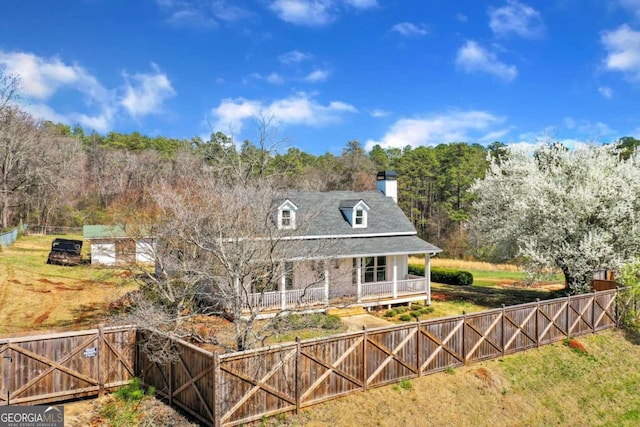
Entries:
{"x":236,"y":388}
{"x":56,"y":367}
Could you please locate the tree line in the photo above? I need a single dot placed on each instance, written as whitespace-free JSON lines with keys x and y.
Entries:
{"x":52,"y":174}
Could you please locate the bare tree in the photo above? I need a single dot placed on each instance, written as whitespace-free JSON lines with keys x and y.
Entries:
{"x":56,"y":181}
{"x":20,"y":159}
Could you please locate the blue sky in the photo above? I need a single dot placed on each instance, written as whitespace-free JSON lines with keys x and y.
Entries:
{"x":391,"y":72}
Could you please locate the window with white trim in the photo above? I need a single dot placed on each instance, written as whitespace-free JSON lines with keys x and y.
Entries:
{"x":360,"y":218}
{"x":287,"y":216}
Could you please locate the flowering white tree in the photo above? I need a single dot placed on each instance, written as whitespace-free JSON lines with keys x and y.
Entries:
{"x":576,"y":210}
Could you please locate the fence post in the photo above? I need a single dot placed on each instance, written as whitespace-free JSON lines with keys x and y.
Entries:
{"x":170,"y":376}
{"x":216,"y":390}
{"x":537,"y":322}
{"x":365,"y":380}
{"x":464,"y":336}
{"x":567,"y":315}
{"x":418,"y":361}
{"x":101,"y":360}
{"x":593,"y":313}
{"x":298,"y":357}
{"x":502,"y":334}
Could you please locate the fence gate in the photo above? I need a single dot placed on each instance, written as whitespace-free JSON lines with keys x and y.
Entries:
{"x":57,"y":367}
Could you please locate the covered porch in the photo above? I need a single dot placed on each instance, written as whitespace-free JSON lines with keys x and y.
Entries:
{"x":377,"y":280}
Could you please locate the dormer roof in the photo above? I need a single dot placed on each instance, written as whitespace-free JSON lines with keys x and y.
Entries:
{"x":322,"y":214}
{"x":353,"y":204}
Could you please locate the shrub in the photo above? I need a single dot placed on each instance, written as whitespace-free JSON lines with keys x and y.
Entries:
{"x":415,"y":313}
{"x":405,"y":317}
{"x":390,"y":313}
{"x":444,"y":275}
{"x":133,"y":391}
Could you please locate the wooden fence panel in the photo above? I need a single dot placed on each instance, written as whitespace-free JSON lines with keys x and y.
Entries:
{"x":519,"y":328}
{"x":483,"y":336}
{"x":57,"y":367}
{"x":186,"y":380}
{"x":552,"y":320}
{"x":391,"y":355}
{"x":580,"y":315}
{"x":329,"y":368}
{"x":256,"y":384}
{"x":604,"y":310}
{"x":441,"y":344}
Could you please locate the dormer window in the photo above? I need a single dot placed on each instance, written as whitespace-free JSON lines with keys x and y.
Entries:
{"x":355,"y":212}
{"x":286,"y":218}
{"x":287,"y":215}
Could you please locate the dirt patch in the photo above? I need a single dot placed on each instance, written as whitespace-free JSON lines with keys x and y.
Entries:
{"x":50,"y":282}
{"x":62,"y":287}
{"x":357,"y":322}
{"x":41,"y":318}
{"x":152,"y":412}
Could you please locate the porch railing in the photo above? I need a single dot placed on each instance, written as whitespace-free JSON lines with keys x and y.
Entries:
{"x":293,"y":298}
{"x":385,"y":289}
{"x":316,"y":296}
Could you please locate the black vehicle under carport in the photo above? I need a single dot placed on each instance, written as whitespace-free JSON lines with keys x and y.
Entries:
{"x":65,"y":252}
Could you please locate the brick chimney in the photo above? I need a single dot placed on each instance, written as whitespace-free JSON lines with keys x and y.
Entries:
{"x":386,"y":181}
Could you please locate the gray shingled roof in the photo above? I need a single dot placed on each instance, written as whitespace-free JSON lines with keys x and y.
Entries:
{"x":319,"y":214}
{"x":357,"y":247}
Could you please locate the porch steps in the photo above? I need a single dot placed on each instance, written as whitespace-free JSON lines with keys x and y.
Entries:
{"x":347,"y":311}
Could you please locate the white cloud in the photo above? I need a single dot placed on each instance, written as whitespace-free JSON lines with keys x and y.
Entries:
{"x":632,"y":5}
{"x":147,"y":94}
{"x":588,"y":130}
{"x":294,"y":57}
{"x":273,"y":78}
{"x":516,"y":18}
{"x":304,"y":12}
{"x":191,"y":18}
{"x":377,"y":113}
{"x":454,"y":126}
{"x":100,"y":123}
{"x":201,"y":14}
{"x":623,"y":51}
{"x":362,"y":4}
{"x":461,"y":17}
{"x":41,"y":77}
{"x":407,"y":29}
{"x":317,"y":76}
{"x":299,"y":109}
{"x":474,"y":58}
{"x":605,"y":91}
{"x":315,"y":13}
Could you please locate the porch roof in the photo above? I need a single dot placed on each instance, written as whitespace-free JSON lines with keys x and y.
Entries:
{"x":358,"y":247}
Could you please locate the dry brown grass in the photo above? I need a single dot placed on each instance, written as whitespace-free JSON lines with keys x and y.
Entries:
{"x":552,"y":385}
{"x":466,"y":265}
{"x":37,"y":296}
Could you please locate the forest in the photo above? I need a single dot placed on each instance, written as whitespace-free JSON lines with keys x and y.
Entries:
{"x":62,"y":176}
{"x":53,"y":174}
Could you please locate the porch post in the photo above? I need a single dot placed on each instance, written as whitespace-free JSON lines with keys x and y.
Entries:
{"x":427,"y":276}
{"x":326,"y":283}
{"x":359,"y":279}
{"x":283,"y":291}
{"x":395,"y":276}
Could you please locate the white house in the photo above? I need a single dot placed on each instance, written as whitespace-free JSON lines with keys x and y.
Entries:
{"x":346,"y":247}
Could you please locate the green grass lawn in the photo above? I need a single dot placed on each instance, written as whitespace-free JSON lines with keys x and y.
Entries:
{"x":552,"y":385}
